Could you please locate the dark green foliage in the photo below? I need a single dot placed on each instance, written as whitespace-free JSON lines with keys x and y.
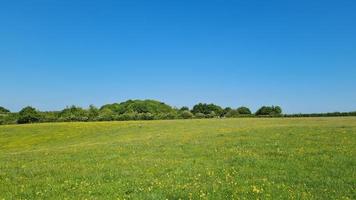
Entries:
{"x":115,"y":107}
{"x":184,"y":108}
{"x":333,"y":114}
{"x":269,"y":111}
{"x":10,"y":118}
{"x":3,"y":110}
{"x":93,"y":113}
{"x":232,"y":114}
{"x":74,"y":113}
{"x":28,"y":115}
{"x":226,"y":110}
{"x":199,"y":115}
{"x":49,"y":116}
{"x":139,"y":106}
{"x":145,"y":110}
{"x":208,"y":109}
{"x":106,"y":114}
{"x":244,"y":111}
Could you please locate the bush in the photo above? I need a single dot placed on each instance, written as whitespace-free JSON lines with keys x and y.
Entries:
{"x":212,"y":114}
{"x":139,"y":106}
{"x":269,"y":111}
{"x":207,"y":109}
{"x":49,"y":116}
{"x":226,"y":110}
{"x":232,"y":113}
{"x":199,"y":115}
{"x":93,"y":113}
{"x":186,"y":114}
{"x":184,"y":108}
{"x":145,"y":116}
{"x":73,"y":113}
{"x":106,"y":114}
{"x":28,"y":115}
{"x":244,"y":110}
{"x":4,"y":110}
{"x":10,"y":118}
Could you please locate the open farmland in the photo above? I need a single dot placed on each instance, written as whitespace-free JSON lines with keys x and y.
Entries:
{"x":247,"y":158}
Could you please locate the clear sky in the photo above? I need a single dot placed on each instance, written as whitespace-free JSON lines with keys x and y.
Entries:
{"x":297,"y":54}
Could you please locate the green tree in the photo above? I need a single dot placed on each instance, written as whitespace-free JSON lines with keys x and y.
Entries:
{"x":226,"y":110}
{"x":186,"y":114}
{"x":199,"y":115}
{"x":269,"y":110}
{"x":140,"y":106}
{"x":232,"y":113}
{"x":28,"y":115}
{"x":3,"y":110}
{"x":277,"y":110}
{"x":73,"y":113}
{"x":244,"y":110}
{"x":106,"y":114}
{"x":93,"y":113}
{"x":207,"y":109}
{"x":184,"y":108}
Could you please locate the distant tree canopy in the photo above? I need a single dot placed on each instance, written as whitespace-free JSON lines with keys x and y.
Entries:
{"x":73,"y":113}
{"x":241,"y":111}
{"x":207,"y":109}
{"x":232,"y":113}
{"x":269,"y":110}
{"x":226,"y":110}
{"x":244,"y":111}
{"x":144,"y":110}
{"x":28,"y":115}
{"x":3,"y":110}
{"x":139,"y":106}
{"x":186,"y":114}
{"x":184,"y":108}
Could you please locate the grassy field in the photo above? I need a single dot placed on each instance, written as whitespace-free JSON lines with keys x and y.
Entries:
{"x":306,"y":158}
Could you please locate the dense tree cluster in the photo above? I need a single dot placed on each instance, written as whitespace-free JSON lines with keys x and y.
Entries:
{"x":28,"y":115}
{"x":330,"y":114}
{"x":3,"y":110}
{"x":143,"y":110}
{"x":269,"y":110}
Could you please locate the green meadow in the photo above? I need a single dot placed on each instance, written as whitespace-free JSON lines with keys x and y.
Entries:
{"x":246,"y":158}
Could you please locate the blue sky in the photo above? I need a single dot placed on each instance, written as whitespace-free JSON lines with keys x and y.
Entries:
{"x":297,"y":54}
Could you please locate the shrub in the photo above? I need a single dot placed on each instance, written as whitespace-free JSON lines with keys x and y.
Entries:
{"x":184,"y":108}
{"x":3,"y":110}
{"x":145,"y":116}
{"x":28,"y":115}
{"x":73,"y":113}
{"x":226,"y":110}
{"x":171,"y":115}
{"x":212,"y":114}
{"x":126,"y":117}
{"x":199,"y":115}
{"x":269,"y":110}
{"x":244,"y":110}
{"x":206,"y":109}
{"x":186,"y":114}
{"x":49,"y":116}
{"x":232,"y":113}
{"x":106,"y":115}
{"x":93,"y":113}
{"x":139,"y":106}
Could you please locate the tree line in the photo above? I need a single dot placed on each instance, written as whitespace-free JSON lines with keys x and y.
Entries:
{"x":130,"y":110}
{"x":142,"y":110}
